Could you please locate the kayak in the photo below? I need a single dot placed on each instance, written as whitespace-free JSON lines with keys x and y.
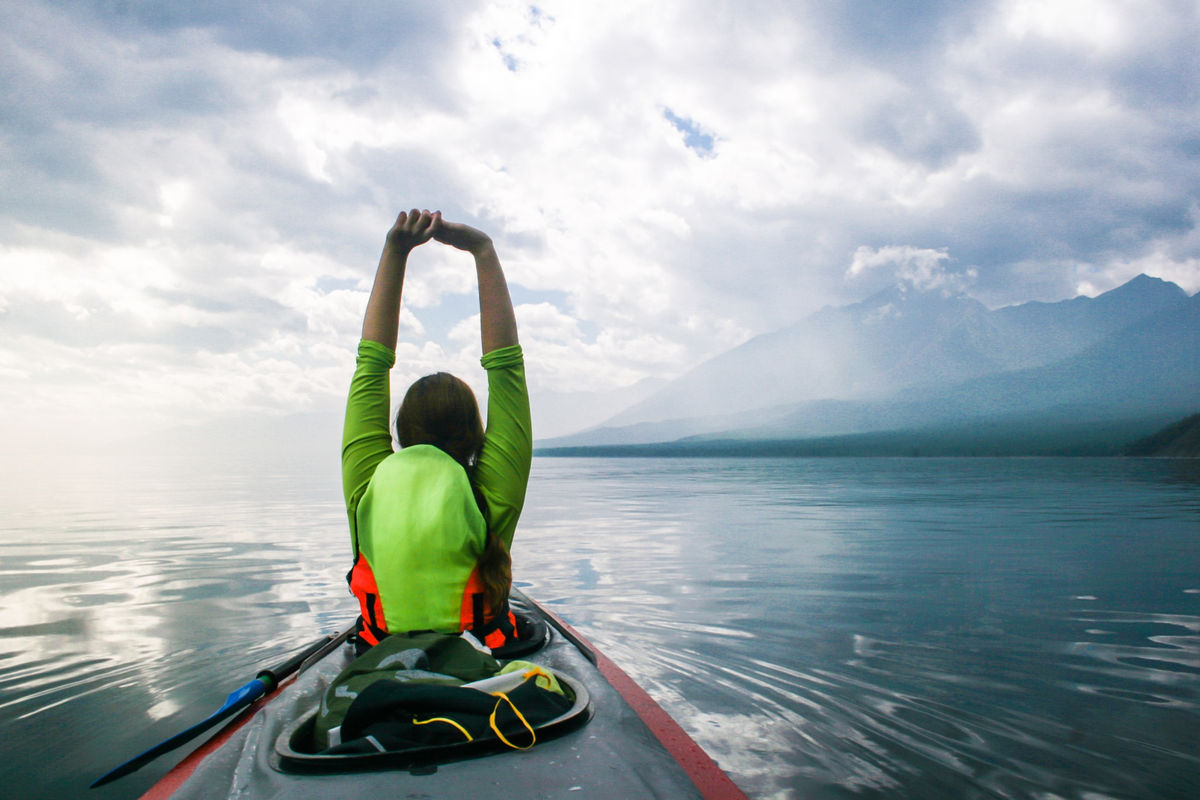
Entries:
{"x":614,"y":741}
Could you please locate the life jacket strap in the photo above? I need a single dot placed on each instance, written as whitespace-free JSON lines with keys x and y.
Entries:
{"x":371,"y":627}
{"x":500,"y":631}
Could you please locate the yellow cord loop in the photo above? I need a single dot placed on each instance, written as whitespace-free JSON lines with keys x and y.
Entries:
{"x":520,"y":716}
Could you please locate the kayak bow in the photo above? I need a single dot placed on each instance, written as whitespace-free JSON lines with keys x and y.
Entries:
{"x":622,"y":744}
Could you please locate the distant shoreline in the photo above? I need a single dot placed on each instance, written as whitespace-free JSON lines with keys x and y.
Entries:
{"x":633,"y":451}
{"x":1178,"y":440}
{"x":771,"y":450}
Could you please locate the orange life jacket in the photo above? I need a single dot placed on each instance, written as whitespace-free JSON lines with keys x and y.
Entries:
{"x":493,"y":629}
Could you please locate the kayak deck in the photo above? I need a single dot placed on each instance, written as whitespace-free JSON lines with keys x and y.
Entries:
{"x":629,"y":748}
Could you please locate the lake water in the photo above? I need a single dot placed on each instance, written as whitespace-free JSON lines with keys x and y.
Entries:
{"x":899,"y":628}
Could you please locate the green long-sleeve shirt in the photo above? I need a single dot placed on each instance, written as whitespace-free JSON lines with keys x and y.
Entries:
{"x":412,"y":514}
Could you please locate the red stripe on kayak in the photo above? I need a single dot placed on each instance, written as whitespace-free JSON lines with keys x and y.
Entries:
{"x":709,"y":778}
{"x":168,"y":784}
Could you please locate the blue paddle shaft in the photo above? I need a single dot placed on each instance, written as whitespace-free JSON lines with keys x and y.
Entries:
{"x":245,"y":695}
{"x":238,"y":699}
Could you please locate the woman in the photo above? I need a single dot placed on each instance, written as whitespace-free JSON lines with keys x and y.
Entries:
{"x":431,"y":524}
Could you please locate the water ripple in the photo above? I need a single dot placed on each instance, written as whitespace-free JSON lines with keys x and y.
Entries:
{"x":891,"y":629}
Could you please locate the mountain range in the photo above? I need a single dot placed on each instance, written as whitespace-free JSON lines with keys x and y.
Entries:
{"x":1180,"y":440}
{"x":934,"y":363}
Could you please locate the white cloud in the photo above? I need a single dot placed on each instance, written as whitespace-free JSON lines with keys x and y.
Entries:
{"x":214,"y":190}
{"x":1091,"y":22}
{"x":919,"y":268}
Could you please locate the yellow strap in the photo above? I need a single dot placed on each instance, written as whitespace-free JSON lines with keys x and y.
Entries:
{"x":538,"y":672}
{"x":461,"y":729}
{"x":520,"y":716}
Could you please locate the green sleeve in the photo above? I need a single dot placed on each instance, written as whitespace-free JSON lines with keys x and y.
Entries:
{"x":502,"y":472}
{"x":366,"y":435}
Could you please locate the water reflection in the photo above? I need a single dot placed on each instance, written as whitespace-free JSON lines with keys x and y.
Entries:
{"x":901,"y":628}
{"x":824,"y":628}
{"x":131,"y":595}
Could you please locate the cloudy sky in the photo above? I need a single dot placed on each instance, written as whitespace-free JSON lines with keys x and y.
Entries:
{"x":194,"y":194}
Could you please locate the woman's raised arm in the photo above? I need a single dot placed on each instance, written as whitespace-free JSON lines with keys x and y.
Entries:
{"x":381,"y":323}
{"x":497,"y":322}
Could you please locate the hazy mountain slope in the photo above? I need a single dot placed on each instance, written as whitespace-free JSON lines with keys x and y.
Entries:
{"x":1047,"y":332}
{"x":896,"y":339}
{"x":558,"y":413}
{"x":1178,"y":440}
{"x":1153,"y":363}
{"x":1148,"y":369}
{"x":866,"y":350}
{"x":904,"y":359}
{"x":794,"y":363}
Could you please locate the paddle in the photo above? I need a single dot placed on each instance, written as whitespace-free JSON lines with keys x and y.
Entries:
{"x":263,"y":683}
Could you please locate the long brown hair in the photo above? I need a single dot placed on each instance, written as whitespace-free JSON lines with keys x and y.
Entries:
{"x":441,"y":410}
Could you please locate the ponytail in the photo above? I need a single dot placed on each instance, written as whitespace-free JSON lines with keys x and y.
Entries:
{"x":495,"y":565}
